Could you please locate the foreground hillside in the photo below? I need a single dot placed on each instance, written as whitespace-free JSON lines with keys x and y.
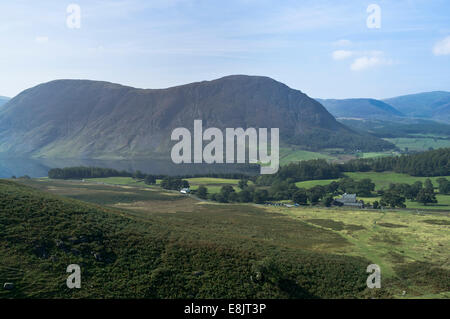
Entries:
{"x":78,"y":118}
{"x":172,"y":248}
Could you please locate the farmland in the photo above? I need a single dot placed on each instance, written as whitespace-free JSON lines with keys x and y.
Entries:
{"x":419,"y":143}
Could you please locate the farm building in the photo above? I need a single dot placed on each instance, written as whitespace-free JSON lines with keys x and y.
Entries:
{"x":350,"y":200}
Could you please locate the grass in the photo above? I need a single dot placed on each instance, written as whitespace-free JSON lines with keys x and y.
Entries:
{"x":442,"y":204}
{"x":383,"y":179}
{"x":156,"y":252}
{"x":158,"y":239}
{"x":374,"y":154}
{"x":291,"y":156}
{"x":411,"y":251}
{"x":309,"y":184}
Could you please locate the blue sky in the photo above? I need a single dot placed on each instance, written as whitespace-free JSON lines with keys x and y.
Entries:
{"x":323,"y":48}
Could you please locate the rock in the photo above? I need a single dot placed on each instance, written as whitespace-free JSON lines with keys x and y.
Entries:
{"x":8,"y":286}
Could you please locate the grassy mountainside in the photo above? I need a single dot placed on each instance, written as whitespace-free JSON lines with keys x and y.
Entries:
{"x":77,"y":118}
{"x":152,"y":252}
{"x":360,"y":108}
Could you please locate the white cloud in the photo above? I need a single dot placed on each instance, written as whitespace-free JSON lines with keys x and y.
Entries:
{"x":342,"y":43}
{"x":41,"y":40}
{"x":366,"y":62}
{"x":442,"y":47}
{"x":341,"y":54}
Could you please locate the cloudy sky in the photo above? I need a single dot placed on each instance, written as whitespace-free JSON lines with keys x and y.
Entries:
{"x":323,"y":48}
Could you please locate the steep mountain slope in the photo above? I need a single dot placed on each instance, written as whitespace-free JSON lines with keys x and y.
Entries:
{"x":360,"y":108}
{"x":79,"y":118}
{"x":434,"y":105}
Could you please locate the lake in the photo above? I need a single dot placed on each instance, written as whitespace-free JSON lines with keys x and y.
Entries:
{"x":39,"y":167}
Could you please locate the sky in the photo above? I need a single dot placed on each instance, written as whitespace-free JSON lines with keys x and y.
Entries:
{"x":326,"y":49}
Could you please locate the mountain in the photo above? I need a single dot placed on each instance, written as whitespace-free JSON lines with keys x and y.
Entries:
{"x":431,"y":105}
{"x":91,"y":119}
{"x":360,"y":108}
{"x":3,"y":100}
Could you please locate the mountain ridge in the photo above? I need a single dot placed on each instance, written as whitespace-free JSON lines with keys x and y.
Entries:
{"x":366,"y":108}
{"x":430,"y":105}
{"x":96,"y":119}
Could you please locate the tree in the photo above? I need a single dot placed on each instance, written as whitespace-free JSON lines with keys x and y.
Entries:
{"x":225,"y":192}
{"x":365,"y":187}
{"x":243,"y":183}
{"x":150,"y":180}
{"x":138,"y":175}
{"x":426,"y":197}
{"x":185,"y":184}
{"x":202,"y":192}
{"x":245,"y":196}
{"x":328,"y":200}
{"x":392,"y":199}
{"x":260,"y":196}
{"x":332,"y":187}
{"x":315,"y":194}
{"x":444,"y":185}
{"x":429,"y":186}
{"x":300,"y":197}
{"x":375,"y":205}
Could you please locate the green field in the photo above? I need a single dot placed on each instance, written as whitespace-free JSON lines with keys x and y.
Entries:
{"x":310,"y":184}
{"x":374,"y":154}
{"x":120,"y":181}
{"x":419,"y":143}
{"x":213,"y":184}
{"x":383,"y":179}
{"x":291,"y":156}
{"x":159,"y":244}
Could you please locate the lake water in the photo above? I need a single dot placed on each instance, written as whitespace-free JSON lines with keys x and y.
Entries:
{"x":39,"y":167}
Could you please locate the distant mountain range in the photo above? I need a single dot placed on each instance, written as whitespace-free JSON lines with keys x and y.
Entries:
{"x":428,"y":105}
{"x":3,"y":100}
{"x":91,"y":119}
{"x":360,"y":108}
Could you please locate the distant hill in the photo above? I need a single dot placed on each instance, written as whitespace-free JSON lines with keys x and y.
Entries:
{"x":360,"y":108}
{"x":431,"y":105}
{"x":3,"y":100}
{"x":91,"y":119}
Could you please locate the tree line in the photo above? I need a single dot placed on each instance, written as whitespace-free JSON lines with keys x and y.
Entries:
{"x":394,"y":196}
{"x":429,"y":163}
